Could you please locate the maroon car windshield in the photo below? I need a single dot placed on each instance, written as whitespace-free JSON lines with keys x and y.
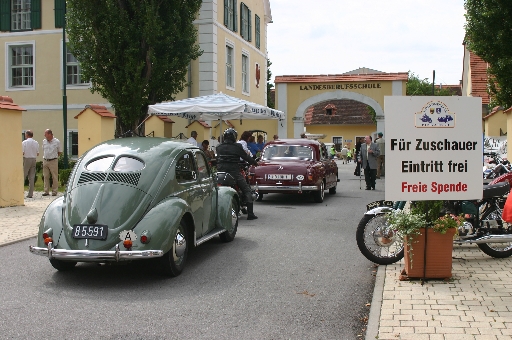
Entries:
{"x":287,"y":152}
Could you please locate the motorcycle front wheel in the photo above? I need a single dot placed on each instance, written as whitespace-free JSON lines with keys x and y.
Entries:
{"x":377,"y":241}
{"x":497,"y":250}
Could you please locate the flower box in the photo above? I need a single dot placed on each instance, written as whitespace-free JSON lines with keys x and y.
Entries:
{"x":439,"y":255}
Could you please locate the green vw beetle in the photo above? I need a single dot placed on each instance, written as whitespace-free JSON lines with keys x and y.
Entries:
{"x":135,"y":199}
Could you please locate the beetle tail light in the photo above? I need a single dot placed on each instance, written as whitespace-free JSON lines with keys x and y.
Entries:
{"x":47,"y":236}
{"x":127,"y":244}
{"x":310,"y":177}
{"x":145,"y":237}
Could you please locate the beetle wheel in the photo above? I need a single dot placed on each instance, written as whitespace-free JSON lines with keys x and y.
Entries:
{"x":229,"y":234}
{"x":62,"y":266}
{"x":173,"y":262}
{"x":318,"y":196}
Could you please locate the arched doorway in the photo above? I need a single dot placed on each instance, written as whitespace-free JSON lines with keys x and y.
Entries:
{"x":295,"y":94}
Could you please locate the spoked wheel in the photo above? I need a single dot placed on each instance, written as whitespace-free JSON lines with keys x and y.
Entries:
{"x":229,"y":234}
{"x":173,"y":262}
{"x":318,"y":196}
{"x":62,"y":266}
{"x":498,"y":250}
{"x":377,"y":241}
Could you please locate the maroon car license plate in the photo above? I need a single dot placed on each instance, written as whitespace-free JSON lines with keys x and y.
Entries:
{"x":279,"y":176}
{"x":91,"y":231}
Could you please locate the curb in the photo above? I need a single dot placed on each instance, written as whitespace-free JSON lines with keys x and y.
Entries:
{"x":18,"y":240}
{"x":372,"y":328}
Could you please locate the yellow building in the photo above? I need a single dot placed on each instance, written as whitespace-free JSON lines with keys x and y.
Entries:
{"x":305,"y":97}
{"x":495,"y":123}
{"x":231,"y":34}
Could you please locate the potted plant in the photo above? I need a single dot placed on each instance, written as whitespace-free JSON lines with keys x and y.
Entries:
{"x":426,"y":225}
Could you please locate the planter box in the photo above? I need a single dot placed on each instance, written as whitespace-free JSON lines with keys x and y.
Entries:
{"x":439,"y":255}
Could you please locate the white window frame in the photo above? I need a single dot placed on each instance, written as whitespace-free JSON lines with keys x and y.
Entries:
{"x":8,"y":68}
{"x":230,"y":45}
{"x":23,"y":18}
{"x":246,"y":87}
{"x":70,"y":145}
{"x":70,"y":86}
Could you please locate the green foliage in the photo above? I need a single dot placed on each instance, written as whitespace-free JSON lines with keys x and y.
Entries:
{"x":39,"y":166}
{"x":488,"y":35}
{"x":270,"y":86}
{"x":422,"y":87}
{"x":422,"y":214}
{"x":64,"y":176}
{"x":372,"y":113}
{"x":135,"y":52}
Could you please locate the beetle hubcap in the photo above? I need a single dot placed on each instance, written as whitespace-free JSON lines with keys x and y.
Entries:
{"x":234,"y":218}
{"x":180,"y":245}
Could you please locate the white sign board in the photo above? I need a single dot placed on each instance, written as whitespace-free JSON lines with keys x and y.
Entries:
{"x":434,"y":148}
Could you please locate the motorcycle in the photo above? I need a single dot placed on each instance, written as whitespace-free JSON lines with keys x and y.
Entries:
{"x":496,"y":166}
{"x":379,"y":242}
{"x":225,"y":179}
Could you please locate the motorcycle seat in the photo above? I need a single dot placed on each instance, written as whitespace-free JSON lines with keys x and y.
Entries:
{"x":498,"y":189}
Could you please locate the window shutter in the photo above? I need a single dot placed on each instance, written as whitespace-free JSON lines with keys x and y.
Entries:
{"x":235,"y":17}
{"x":249,"y":33}
{"x":5,"y":15}
{"x":226,"y":13}
{"x":35,"y":14}
{"x":60,"y":7}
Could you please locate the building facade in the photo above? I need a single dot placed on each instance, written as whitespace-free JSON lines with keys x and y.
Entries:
{"x":231,"y":34}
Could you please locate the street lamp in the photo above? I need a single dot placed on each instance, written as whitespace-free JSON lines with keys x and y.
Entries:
{"x":64,"y":96}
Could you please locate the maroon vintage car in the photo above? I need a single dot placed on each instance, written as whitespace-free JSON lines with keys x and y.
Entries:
{"x":295,"y":166}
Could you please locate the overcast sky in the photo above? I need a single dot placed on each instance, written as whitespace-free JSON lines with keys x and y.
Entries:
{"x":337,"y":36}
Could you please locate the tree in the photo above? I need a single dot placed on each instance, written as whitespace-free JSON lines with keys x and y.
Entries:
{"x":488,"y":35}
{"x":422,"y":87}
{"x":270,"y":86}
{"x":135,"y":52}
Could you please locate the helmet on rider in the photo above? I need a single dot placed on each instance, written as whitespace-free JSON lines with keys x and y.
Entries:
{"x":230,"y":134}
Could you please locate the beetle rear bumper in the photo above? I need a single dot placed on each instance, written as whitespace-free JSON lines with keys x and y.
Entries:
{"x":94,"y":255}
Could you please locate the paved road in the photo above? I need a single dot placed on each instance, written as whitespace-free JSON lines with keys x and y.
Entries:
{"x":295,"y":273}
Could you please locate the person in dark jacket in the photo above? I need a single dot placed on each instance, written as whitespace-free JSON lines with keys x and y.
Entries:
{"x":229,"y":153}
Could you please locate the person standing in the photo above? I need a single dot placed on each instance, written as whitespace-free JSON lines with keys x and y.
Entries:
{"x":51,"y":152}
{"x":382,"y":147}
{"x":344,"y":154}
{"x":243,"y":140}
{"x":193,"y":138}
{"x":332,"y":152}
{"x":213,"y":144}
{"x":30,"y":152}
{"x":252,"y":146}
{"x":229,"y":153}
{"x":205,"y":146}
{"x":260,"y":144}
{"x":368,"y":159}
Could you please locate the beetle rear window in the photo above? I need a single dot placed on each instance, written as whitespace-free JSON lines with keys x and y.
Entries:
{"x":101,"y":164}
{"x":128,"y":164}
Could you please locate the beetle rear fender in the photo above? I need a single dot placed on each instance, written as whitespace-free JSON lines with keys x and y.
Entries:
{"x":225,"y":196}
{"x":52,"y":218}
{"x":161,"y":220}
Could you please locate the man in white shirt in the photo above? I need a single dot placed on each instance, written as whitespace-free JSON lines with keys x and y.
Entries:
{"x":30,"y":152}
{"x":51,"y":152}
{"x":193,"y":139}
